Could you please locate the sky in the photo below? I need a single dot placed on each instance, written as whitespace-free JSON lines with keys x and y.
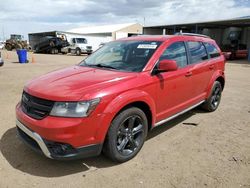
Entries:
{"x":27,"y":16}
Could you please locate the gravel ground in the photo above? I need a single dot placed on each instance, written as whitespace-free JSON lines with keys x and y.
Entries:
{"x":195,"y":150}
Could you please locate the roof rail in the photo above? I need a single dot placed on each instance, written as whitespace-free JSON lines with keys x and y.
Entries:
{"x":191,"y":34}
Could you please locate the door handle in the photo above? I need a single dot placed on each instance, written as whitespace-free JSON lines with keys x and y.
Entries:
{"x":189,"y":73}
{"x":211,"y":67}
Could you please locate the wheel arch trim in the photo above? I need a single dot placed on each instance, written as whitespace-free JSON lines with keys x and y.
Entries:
{"x":119,"y":103}
{"x":219,"y":75}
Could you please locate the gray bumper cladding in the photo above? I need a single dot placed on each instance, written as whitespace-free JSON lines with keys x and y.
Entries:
{"x":36,"y":137}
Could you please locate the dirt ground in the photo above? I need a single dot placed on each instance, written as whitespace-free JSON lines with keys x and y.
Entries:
{"x":195,"y":150}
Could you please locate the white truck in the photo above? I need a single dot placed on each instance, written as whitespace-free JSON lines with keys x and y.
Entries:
{"x":77,"y":46}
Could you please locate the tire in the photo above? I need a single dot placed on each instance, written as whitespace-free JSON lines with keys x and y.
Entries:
{"x":53,"y":51}
{"x":8,"y":47}
{"x":78,"y":51}
{"x":56,"y":51}
{"x":126,"y":135}
{"x":212,"y":103}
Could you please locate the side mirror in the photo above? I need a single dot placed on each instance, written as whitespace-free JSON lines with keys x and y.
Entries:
{"x":167,"y":65}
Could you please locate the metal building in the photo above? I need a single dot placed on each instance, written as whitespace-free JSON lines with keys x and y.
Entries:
{"x":111,"y":31}
{"x":221,"y":30}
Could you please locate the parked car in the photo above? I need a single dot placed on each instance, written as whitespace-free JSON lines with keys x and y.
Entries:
{"x":50,"y":44}
{"x":1,"y":62}
{"x":77,"y":46}
{"x":1,"y":45}
{"x":113,"y":98}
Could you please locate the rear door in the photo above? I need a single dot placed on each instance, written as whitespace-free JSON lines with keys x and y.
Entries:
{"x":201,"y":69}
{"x":174,"y":89}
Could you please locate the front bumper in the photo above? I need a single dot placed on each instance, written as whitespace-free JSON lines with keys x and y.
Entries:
{"x":55,"y":150}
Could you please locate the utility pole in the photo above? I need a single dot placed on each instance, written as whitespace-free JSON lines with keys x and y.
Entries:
{"x":144,"y":18}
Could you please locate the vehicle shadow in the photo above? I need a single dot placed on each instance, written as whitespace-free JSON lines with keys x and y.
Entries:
{"x":26,"y":160}
{"x":170,"y":124}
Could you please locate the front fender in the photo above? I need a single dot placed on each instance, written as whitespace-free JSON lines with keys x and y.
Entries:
{"x":117,"y":104}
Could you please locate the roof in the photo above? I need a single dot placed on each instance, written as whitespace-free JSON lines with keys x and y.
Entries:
{"x":166,"y":37}
{"x":101,"y":28}
{"x":46,"y":33}
{"x":235,"y":22}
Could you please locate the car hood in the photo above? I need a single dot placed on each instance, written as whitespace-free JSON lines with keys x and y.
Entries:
{"x":75,"y":83}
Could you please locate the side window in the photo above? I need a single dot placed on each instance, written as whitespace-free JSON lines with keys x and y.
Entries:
{"x":74,"y":40}
{"x":212,"y":50}
{"x":197,"y":52}
{"x":177,"y":52}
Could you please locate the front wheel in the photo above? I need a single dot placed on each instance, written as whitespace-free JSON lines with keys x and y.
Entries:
{"x":126,"y":135}
{"x":8,"y":47}
{"x":212,"y":103}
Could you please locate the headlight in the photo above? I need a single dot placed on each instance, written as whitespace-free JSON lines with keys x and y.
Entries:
{"x":74,"y":109}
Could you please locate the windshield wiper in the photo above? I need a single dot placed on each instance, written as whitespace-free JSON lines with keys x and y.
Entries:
{"x":102,"y":66}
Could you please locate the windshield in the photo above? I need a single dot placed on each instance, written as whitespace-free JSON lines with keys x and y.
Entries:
{"x":123,"y":55}
{"x":81,"y":40}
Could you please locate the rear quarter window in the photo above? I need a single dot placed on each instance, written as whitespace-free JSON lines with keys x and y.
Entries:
{"x":212,"y":50}
{"x":197,"y":52}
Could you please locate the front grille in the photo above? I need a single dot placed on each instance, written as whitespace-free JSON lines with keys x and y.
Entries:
{"x":35,"y":107}
{"x":89,"y":47}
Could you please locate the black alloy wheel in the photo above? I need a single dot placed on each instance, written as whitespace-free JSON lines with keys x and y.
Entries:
{"x":130,"y":135}
{"x":126,"y":135}
{"x":212,"y":103}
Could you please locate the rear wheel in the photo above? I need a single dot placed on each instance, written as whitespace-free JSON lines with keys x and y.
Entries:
{"x":126,"y":135}
{"x":54,"y":51}
{"x":212,"y":103}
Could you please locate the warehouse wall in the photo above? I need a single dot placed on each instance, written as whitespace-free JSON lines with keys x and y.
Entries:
{"x":221,"y":35}
{"x":246,"y":36}
{"x":152,"y":31}
{"x":216,"y":34}
{"x":135,"y":28}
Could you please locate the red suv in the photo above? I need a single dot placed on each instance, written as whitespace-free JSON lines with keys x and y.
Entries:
{"x":113,"y":98}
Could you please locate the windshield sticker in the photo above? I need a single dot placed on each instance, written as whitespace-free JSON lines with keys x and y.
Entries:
{"x":147,"y":46}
